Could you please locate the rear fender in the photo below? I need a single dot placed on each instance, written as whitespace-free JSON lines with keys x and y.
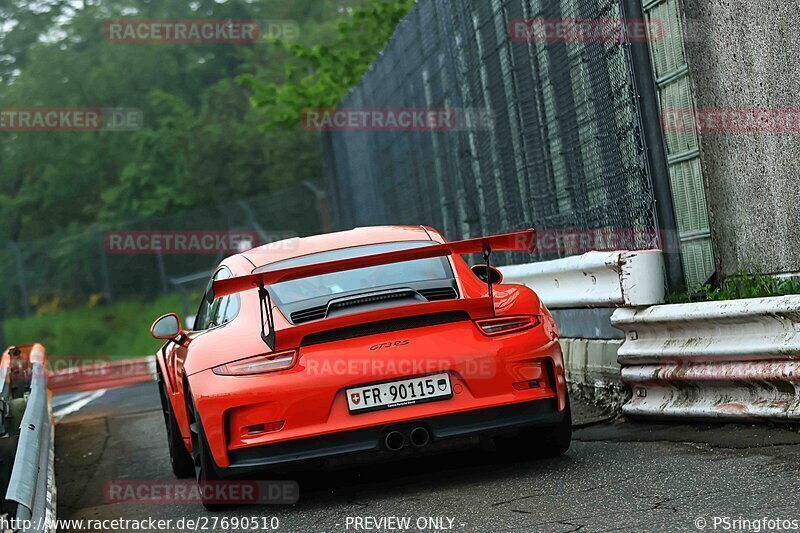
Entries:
{"x":513,"y":299}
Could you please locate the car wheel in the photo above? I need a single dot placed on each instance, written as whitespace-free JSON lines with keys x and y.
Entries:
{"x":541,"y":442}
{"x":179,"y":458}
{"x":204,"y":467}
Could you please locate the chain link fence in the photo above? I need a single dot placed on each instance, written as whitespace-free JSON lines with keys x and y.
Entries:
{"x":76,"y":268}
{"x":564,"y":150}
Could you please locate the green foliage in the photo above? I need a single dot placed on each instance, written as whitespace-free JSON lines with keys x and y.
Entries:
{"x":741,"y":285}
{"x":201,"y":145}
{"x":751,"y":285}
{"x":201,"y":142}
{"x":321,"y":74}
{"x":117,"y":331}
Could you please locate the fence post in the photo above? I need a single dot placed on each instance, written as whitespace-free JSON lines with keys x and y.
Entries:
{"x":162,"y":272}
{"x":655,"y":151}
{"x":23,"y":284}
{"x":321,"y":197}
{"x":251,"y":217}
{"x":104,"y":274}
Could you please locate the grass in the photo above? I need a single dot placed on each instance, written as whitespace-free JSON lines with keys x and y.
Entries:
{"x":741,"y":285}
{"x":114,"y":331}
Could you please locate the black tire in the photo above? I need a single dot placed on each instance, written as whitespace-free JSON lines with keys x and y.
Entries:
{"x":540,"y":442}
{"x":179,"y":458}
{"x":204,"y":468}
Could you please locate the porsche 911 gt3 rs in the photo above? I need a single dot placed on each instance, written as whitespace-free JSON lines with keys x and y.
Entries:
{"x":377,"y":340}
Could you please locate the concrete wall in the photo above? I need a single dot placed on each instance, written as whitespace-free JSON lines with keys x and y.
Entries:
{"x":745,"y":55}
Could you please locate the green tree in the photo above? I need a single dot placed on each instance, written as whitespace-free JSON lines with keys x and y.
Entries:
{"x":201,"y":141}
{"x":322,"y":73}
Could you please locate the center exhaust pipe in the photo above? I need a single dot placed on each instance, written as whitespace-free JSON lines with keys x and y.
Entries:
{"x":394,"y":440}
{"x":419,"y":437}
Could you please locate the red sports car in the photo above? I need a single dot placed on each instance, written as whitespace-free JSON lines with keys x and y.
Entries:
{"x":376,"y":340}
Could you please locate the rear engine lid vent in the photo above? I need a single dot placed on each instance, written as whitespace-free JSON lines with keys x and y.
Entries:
{"x":318,"y":312}
{"x":384,"y":326}
{"x":308,"y":314}
{"x":439,"y":293}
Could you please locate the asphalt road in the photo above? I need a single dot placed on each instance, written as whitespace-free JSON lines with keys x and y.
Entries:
{"x":618,"y":476}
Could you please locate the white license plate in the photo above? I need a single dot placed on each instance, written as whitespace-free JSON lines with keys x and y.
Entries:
{"x":399,"y":393}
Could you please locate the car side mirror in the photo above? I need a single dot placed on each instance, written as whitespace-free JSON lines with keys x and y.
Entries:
{"x":487,"y":273}
{"x":166,"y":327}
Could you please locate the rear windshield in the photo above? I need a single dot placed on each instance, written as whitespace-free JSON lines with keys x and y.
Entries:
{"x":383,"y":276}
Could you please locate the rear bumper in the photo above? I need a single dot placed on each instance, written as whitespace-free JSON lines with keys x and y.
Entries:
{"x":478,"y":423}
{"x":309,"y":400}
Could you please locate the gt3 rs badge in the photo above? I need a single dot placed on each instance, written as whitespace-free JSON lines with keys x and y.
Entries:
{"x":388,"y":345}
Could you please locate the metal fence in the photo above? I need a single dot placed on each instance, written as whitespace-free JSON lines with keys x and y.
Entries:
{"x":565,"y":149}
{"x":74,"y":268}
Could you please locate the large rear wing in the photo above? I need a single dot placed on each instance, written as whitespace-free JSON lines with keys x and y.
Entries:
{"x":517,"y":242}
{"x":521,"y":241}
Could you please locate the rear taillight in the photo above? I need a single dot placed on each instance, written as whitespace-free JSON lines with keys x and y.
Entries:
{"x":507,"y":324}
{"x":259,"y":364}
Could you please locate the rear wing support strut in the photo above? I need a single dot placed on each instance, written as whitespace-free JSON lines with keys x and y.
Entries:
{"x":265,"y":310}
{"x":487,"y":255}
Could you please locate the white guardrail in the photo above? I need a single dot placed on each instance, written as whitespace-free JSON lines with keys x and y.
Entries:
{"x":730,"y":359}
{"x":582,"y":292}
{"x":595,"y":279}
{"x":32,"y":483}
